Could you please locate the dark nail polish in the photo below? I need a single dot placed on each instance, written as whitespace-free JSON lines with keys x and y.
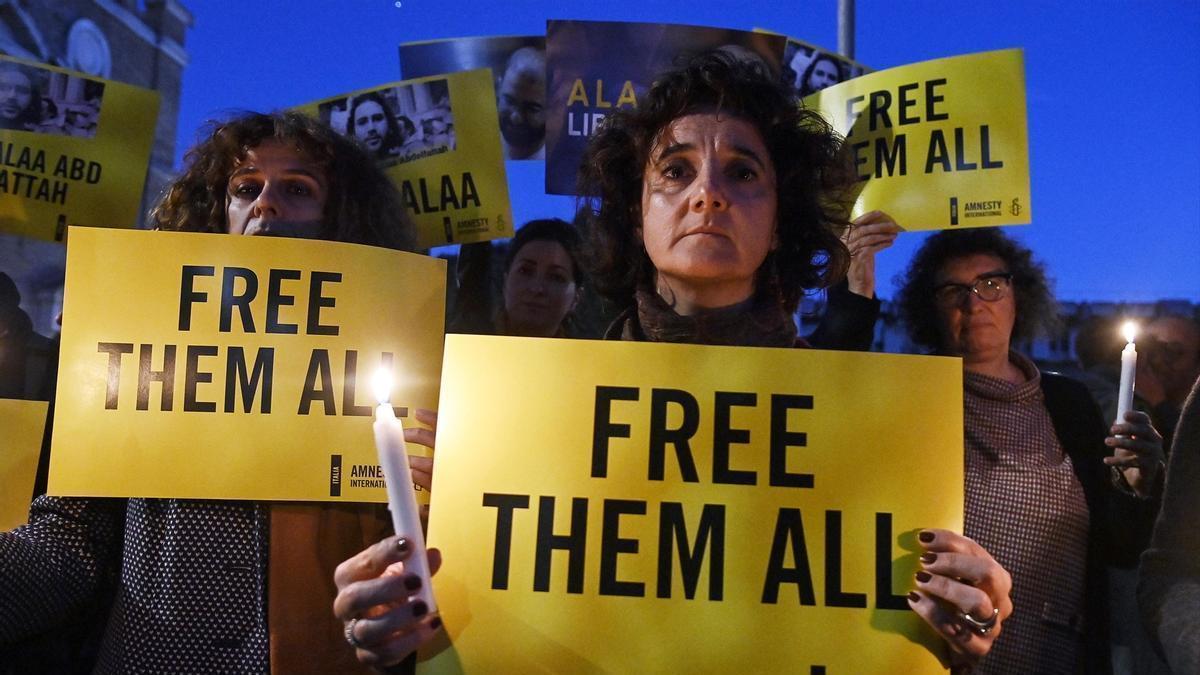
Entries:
{"x":928,"y":558}
{"x":924,"y":576}
{"x":403,"y":546}
{"x":914,"y":596}
{"x":420,"y":609}
{"x":412,"y":582}
{"x":926,"y":537}
{"x":436,"y":623}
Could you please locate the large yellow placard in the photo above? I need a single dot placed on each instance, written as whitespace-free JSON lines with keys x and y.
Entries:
{"x":23,"y":423}
{"x":220,"y":367}
{"x":438,"y":139}
{"x":73,"y":149}
{"x":938,"y":144}
{"x":655,"y":508}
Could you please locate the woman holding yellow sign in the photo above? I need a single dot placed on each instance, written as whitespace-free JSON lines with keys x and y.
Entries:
{"x":719,"y":202}
{"x":215,"y":586}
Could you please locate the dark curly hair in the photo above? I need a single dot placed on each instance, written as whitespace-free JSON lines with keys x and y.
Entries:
{"x":814,"y":182}
{"x":1036,"y":308}
{"x":362,"y":205}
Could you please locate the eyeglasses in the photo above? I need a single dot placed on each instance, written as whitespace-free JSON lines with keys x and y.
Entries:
{"x":989,"y":288}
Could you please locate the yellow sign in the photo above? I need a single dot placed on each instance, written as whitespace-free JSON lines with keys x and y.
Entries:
{"x":439,"y":141}
{"x":938,"y":144}
{"x":73,"y":149}
{"x":654,"y":508}
{"x":23,"y":423}
{"x":219,"y":367}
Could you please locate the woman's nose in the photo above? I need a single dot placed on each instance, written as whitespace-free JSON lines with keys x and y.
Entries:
{"x":709,"y":192}
{"x":267,"y":205}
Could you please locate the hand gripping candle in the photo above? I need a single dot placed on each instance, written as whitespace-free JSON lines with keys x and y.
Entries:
{"x":402,"y":500}
{"x":1128,"y":372}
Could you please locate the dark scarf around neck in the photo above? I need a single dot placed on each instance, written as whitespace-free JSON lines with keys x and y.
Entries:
{"x":757,"y":322}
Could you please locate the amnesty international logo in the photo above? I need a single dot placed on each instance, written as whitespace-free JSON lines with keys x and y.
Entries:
{"x":1015,"y":207}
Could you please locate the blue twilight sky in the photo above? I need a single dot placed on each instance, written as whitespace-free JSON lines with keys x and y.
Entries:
{"x":1113,"y":91}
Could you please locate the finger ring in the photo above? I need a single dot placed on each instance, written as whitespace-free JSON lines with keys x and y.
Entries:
{"x":349,"y":633}
{"x":980,"y":627}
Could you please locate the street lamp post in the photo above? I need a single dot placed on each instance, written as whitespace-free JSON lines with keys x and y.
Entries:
{"x":846,"y":28}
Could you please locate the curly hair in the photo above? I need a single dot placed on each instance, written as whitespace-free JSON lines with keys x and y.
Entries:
{"x":362,"y":205}
{"x":814,"y":182}
{"x":1036,"y":308}
{"x":395,"y":136}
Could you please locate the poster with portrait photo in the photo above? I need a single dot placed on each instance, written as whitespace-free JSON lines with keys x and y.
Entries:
{"x":438,"y":140}
{"x":809,"y":69}
{"x":518,"y":65}
{"x":595,"y":67}
{"x":48,"y":102}
{"x":396,"y":124}
{"x":74,"y":149}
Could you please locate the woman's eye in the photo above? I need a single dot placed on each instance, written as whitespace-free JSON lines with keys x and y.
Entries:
{"x":247,"y":189}
{"x":744,"y":173}
{"x":299,"y":189}
{"x":674,"y":171}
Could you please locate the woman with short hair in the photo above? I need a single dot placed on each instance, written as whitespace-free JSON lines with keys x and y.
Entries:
{"x":1039,"y":493}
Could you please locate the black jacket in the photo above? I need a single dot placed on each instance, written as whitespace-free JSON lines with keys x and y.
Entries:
{"x":1120,"y":522}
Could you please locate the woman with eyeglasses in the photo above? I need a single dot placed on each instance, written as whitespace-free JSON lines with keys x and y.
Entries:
{"x":1047,"y":494}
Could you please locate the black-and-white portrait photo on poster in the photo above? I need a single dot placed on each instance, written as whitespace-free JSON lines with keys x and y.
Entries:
{"x":518,"y":67}
{"x":810,"y":69}
{"x":47,"y":102}
{"x":396,"y":124}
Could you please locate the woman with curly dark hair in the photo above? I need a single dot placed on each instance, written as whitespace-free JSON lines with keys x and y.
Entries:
{"x":798,"y":179}
{"x":359,"y":202}
{"x":1039,"y":494}
{"x":719,"y":202}
{"x":215,"y":586}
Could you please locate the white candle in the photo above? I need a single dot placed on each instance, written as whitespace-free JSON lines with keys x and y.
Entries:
{"x":1128,"y":372}
{"x":402,"y":499}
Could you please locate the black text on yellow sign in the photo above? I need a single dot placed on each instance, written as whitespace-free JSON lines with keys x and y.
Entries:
{"x":438,"y":140}
{"x":247,"y":377}
{"x":938,"y":144}
{"x":789,"y":562}
{"x":237,"y":367}
{"x":884,"y":111}
{"x":73,"y":150}
{"x":667,"y":492}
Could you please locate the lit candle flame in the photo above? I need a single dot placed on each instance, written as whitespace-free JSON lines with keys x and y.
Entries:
{"x":1129,"y":330}
{"x":381,"y":382}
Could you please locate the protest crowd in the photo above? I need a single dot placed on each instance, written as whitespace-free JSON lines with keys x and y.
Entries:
{"x":710,"y":213}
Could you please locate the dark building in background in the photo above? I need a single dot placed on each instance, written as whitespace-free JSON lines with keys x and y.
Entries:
{"x":140,"y":42}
